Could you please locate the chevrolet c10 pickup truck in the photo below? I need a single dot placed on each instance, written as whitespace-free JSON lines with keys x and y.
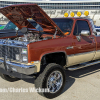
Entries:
{"x":61,"y":44}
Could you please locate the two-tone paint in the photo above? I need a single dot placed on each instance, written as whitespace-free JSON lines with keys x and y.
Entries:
{"x":76,"y":52}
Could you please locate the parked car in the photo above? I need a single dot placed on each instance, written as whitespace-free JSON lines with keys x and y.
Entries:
{"x":10,"y":29}
{"x":62,"y":43}
{"x":2,"y":26}
{"x":98,"y":31}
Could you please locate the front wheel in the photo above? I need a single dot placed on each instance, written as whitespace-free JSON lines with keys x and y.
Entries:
{"x":52,"y":78}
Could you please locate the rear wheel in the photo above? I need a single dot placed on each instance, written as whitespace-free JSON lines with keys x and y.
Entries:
{"x":52,"y":78}
{"x":9,"y":78}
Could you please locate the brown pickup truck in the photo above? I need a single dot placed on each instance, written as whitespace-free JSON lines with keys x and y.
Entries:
{"x":62,"y":43}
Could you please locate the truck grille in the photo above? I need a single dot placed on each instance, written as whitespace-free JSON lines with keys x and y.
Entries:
{"x":9,"y":52}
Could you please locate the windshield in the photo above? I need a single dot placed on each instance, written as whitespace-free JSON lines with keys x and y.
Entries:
{"x":64,"y":24}
{"x":10,"y":25}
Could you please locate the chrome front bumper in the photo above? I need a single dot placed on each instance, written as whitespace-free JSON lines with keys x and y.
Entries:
{"x":17,"y":67}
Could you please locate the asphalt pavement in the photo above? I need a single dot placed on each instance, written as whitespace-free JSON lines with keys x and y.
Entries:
{"x":82,"y":84}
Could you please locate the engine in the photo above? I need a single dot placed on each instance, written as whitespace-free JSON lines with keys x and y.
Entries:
{"x":30,"y":37}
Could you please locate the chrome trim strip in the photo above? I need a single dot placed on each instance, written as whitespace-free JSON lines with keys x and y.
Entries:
{"x":82,"y":66}
{"x":71,"y":47}
{"x":13,"y":43}
{"x":20,"y":65}
{"x":10,"y":45}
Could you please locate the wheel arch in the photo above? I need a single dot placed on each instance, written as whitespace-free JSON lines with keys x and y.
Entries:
{"x":55,"y":52}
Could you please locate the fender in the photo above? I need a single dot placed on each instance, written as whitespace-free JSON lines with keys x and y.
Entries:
{"x":50,"y":52}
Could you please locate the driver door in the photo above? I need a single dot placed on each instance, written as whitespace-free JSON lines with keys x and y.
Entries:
{"x":84,"y":46}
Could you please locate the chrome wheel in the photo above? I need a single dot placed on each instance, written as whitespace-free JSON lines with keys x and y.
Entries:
{"x":52,"y":78}
{"x":54,"y":81}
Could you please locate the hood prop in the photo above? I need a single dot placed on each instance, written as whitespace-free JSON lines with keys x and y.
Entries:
{"x":55,"y":32}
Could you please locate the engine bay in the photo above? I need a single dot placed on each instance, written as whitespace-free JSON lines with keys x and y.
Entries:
{"x":25,"y":39}
{"x":33,"y":37}
{"x":29,"y":37}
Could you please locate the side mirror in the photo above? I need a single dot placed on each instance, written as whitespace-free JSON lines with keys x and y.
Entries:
{"x":85,"y":32}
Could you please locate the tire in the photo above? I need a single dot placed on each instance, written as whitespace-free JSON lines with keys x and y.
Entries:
{"x":44,"y":78}
{"x":8,"y":78}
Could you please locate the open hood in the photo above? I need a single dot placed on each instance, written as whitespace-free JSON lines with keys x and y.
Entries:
{"x":19,"y":14}
{"x":13,"y":14}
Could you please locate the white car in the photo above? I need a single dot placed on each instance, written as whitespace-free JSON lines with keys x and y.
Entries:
{"x":98,"y":31}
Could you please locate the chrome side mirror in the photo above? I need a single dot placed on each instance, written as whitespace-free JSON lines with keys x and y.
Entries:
{"x":85,"y":32}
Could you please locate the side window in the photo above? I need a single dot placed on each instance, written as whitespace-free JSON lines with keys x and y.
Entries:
{"x":80,"y":25}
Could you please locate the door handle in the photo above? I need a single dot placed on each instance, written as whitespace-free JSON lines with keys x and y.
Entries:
{"x":91,"y":37}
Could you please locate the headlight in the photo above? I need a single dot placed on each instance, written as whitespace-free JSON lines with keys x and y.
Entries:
{"x":24,"y":51}
{"x":24,"y":58}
